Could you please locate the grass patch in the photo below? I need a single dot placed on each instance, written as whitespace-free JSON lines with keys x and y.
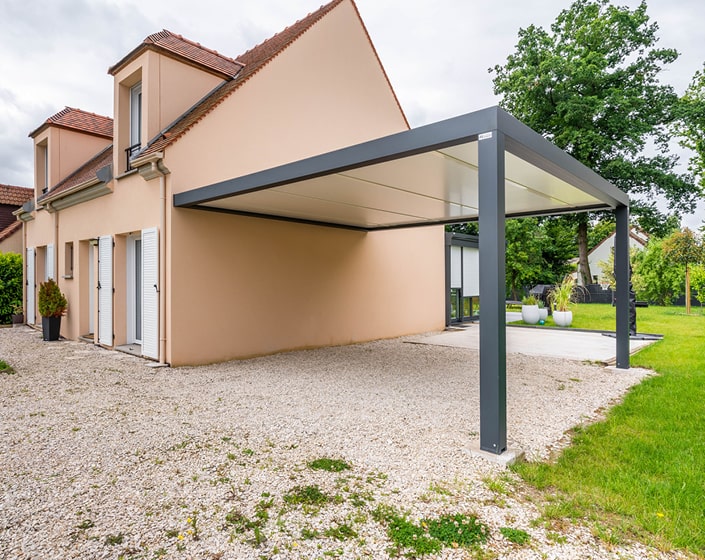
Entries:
{"x":306,"y":495}
{"x":638,"y":473}
{"x":6,"y":368}
{"x":516,"y":536}
{"x":330,"y":465}
{"x":430,"y":535}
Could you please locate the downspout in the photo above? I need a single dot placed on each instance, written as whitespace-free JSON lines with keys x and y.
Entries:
{"x":55,"y":272}
{"x":150,"y":167}
{"x":162,"y":269}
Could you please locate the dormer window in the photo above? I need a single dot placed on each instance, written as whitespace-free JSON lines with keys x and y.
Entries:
{"x":42,"y":166}
{"x":135,"y":121}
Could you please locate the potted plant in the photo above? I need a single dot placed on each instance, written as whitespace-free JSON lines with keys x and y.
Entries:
{"x":561,"y":299}
{"x":530,"y":310}
{"x":52,"y":305}
{"x":17,"y":314}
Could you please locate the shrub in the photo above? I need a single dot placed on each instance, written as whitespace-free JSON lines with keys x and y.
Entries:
{"x":52,"y":302}
{"x":10,"y":285}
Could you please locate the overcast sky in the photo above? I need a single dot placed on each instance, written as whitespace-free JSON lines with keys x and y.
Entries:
{"x":55,"y":53}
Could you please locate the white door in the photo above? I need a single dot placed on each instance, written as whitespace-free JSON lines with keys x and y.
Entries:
{"x":49,"y":263}
{"x":31,"y":287}
{"x":150,"y":293}
{"x":105,"y":290}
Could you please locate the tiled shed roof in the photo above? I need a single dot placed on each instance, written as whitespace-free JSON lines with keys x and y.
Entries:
{"x":253,"y":60}
{"x":15,"y":196}
{"x":84,"y":173}
{"x":80,"y":120}
{"x":183,"y":48}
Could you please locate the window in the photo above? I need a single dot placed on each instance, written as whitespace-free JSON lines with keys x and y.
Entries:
{"x":42,"y":166}
{"x":68,"y":260}
{"x":135,"y":122}
{"x":136,"y":114}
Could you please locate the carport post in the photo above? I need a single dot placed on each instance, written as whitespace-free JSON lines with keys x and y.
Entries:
{"x":493,"y":339}
{"x":621,"y":268}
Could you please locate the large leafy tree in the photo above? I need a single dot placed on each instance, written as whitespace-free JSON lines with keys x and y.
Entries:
{"x":691,"y":123}
{"x":590,"y":85}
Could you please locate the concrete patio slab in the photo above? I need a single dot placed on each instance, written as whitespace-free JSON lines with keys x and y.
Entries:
{"x":555,"y":343}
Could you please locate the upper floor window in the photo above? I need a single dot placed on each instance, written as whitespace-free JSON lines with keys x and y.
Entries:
{"x":42,"y":166}
{"x":135,"y":122}
{"x":136,"y":114}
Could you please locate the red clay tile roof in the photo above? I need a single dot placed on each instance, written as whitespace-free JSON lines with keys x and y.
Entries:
{"x":15,"y":196}
{"x":82,"y":121}
{"x":172,"y":44}
{"x":84,"y":173}
{"x":9,"y":230}
{"x":254,"y":60}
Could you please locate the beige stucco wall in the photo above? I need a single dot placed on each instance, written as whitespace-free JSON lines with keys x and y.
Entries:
{"x":244,"y":286}
{"x":310,"y":99}
{"x":12,"y":244}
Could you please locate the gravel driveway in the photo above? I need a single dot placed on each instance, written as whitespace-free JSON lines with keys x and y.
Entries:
{"x":103,"y":456}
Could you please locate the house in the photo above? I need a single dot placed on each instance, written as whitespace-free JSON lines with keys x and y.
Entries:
{"x":11,"y":198}
{"x":185,"y":286}
{"x":602,"y":251}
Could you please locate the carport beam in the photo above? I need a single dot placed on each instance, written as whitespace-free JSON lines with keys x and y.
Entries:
{"x":621,"y":266}
{"x":493,"y":339}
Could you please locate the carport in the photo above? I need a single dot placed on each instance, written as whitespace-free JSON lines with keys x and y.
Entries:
{"x":484,"y":166}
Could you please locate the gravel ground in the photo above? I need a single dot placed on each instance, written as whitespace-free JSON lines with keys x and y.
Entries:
{"x":103,"y":456}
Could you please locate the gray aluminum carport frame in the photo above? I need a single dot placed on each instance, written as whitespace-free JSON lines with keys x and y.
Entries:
{"x":326,"y":190}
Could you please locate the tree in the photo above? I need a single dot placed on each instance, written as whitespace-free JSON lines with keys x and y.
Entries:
{"x":684,"y":248}
{"x":537,"y":252}
{"x":653,"y":277}
{"x":691,"y":123}
{"x":590,"y":85}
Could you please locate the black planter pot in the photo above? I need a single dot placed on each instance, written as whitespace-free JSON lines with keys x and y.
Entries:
{"x":51,"y":326}
{"x":17,"y":318}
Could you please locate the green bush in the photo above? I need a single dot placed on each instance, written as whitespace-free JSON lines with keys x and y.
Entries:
{"x":10,"y":285}
{"x":52,"y":302}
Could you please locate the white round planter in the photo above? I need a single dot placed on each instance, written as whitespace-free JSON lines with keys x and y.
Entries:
{"x":562,"y":318}
{"x":530,"y":314}
{"x":543,"y":314}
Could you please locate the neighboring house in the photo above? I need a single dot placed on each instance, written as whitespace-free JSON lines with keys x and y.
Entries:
{"x":186,"y":286}
{"x":602,"y":251}
{"x":11,"y":198}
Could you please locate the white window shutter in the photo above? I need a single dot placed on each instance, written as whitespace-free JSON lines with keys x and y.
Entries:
{"x":31,"y":287}
{"x":471,"y":271}
{"x":105,"y":290}
{"x":49,"y":263}
{"x":150,"y":293}
{"x":456,"y":267}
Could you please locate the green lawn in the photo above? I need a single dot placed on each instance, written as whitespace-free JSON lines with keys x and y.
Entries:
{"x":641,"y":472}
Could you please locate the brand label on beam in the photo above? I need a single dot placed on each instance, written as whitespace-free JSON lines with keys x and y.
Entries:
{"x":484,"y":136}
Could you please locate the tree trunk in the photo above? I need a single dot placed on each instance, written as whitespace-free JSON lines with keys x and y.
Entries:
{"x":687,"y":289}
{"x":583,"y":264}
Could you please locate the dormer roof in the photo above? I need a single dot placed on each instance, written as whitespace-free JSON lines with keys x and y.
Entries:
{"x":77,"y":119}
{"x":87,"y":172}
{"x":178,"y":47}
